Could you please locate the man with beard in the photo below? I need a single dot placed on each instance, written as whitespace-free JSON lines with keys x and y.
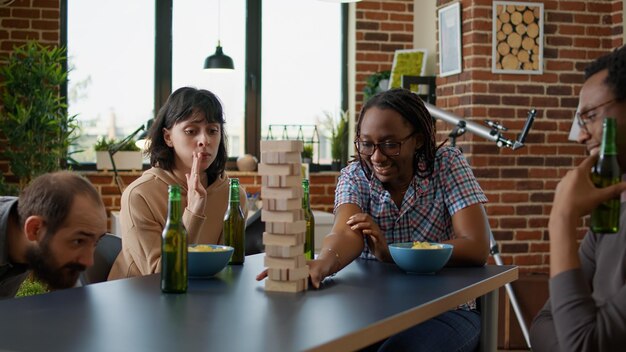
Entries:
{"x":52,"y":229}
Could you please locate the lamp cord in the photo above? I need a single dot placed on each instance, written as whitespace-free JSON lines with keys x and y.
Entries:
{"x":219,"y":23}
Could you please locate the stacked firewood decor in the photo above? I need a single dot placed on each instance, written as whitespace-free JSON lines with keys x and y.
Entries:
{"x":518,"y":38}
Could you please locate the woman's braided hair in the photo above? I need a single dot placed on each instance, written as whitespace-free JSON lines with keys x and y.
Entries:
{"x":411,"y":107}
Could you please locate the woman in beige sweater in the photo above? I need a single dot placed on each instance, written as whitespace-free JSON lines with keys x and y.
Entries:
{"x":188,"y":148}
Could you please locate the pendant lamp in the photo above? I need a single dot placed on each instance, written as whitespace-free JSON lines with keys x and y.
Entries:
{"x":218,"y":61}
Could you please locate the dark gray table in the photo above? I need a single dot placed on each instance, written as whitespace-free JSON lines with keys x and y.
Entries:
{"x":365,"y":302}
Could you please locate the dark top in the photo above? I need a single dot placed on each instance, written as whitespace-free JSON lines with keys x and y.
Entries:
{"x":587,"y":306}
{"x":11,"y":275}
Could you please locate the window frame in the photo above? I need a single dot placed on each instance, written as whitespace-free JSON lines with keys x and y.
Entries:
{"x":253,"y":74}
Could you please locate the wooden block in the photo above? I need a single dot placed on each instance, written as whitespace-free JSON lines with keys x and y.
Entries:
{"x":282,"y":204}
{"x":281,"y":158}
{"x":272,"y":239}
{"x":282,"y":216}
{"x":286,"y":286}
{"x":281,"y":193}
{"x":278,"y":263}
{"x":285,"y":227}
{"x":280,"y":169}
{"x":281,"y":181}
{"x":281,"y":146}
{"x":290,"y":274}
{"x":284,"y":251}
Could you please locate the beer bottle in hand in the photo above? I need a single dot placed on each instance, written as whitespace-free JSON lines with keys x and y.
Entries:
{"x":309,"y":244}
{"x":174,"y":247}
{"x":235,"y":225}
{"x":605,"y":218}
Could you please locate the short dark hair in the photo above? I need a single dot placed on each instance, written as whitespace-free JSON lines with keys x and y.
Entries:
{"x":615,"y":63}
{"x":181,"y":105}
{"x":51,"y":196}
{"x":412,"y":109}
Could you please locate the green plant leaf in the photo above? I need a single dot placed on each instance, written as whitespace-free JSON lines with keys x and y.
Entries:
{"x":34,"y":119}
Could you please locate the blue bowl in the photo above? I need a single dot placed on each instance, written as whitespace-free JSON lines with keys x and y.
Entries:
{"x":420,"y":261}
{"x":207,"y":263}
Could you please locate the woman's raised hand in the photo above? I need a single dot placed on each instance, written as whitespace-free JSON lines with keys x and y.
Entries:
{"x":196,"y":192}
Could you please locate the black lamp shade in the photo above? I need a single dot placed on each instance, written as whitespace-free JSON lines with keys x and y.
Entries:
{"x":219,"y":60}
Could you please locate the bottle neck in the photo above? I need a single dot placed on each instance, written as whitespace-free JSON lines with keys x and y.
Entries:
{"x":174,"y":210}
{"x":608,"y":146}
{"x":305,"y":198}
{"x":234,"y":195}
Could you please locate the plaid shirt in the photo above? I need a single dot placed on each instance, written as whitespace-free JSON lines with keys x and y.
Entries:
{"x":426,"y":210}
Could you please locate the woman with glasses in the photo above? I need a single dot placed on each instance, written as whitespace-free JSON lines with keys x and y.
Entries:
{"x":403,"y":187}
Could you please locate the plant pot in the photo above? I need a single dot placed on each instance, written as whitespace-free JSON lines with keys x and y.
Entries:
{"x":123,"y":160}
{"x":247,"y":162}
{"x":335,"y":166}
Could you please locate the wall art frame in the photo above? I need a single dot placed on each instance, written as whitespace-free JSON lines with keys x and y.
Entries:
{"x":450,"y":50}
{"x":517,"y":37}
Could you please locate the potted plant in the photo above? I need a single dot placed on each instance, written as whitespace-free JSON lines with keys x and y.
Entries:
{"x":34,"y":119}
{"x":376,"y":83}
{"x":307,"y":153}
{"x":338,"y":129}
{"x":127,"y":157}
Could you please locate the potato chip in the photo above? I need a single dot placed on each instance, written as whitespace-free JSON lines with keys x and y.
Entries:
{"x":205,"y":248}
{"x":425,"y":245}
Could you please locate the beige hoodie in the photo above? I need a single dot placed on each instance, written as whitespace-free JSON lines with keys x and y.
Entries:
{"x":144,"y":213}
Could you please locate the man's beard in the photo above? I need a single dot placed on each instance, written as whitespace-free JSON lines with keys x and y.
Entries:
{"x":45,"y":268}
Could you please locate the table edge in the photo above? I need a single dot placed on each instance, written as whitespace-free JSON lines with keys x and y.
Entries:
{"x":404,"y":320}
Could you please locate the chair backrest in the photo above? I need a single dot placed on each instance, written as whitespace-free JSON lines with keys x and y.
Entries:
{"x":106,"y":252}
{"x":254,"y":235}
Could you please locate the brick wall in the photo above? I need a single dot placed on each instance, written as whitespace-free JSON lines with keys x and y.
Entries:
{"x":29,"y":19}
{"x":519,"y":184}
{"x":382,"y":27}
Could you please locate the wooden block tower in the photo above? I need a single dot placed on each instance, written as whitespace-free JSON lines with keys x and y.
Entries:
{"x":285,"y":228}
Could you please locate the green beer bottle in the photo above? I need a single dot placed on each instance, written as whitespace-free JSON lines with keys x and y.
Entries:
{"x":309,"y":244}
{"x":235,"y":225}
{"x":174,"y":247}
{"x":605,"y":218}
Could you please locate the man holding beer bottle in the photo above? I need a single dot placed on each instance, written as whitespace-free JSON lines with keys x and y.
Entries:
{"x":587,"y":304}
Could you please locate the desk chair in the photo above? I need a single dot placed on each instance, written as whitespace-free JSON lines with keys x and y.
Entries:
{"x":254,"y":234}
{"x":106,"y":252}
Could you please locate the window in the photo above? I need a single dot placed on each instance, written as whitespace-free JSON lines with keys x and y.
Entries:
{"x":195,"y":34}
{"x":110,"y":48}
{"x":114,"y":89}
{"x":301,"y":68}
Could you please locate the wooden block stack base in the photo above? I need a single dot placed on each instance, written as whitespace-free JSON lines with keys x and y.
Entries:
{"x":285,"y":228}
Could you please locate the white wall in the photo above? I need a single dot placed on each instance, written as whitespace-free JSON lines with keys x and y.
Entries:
{"x":425,"y":31}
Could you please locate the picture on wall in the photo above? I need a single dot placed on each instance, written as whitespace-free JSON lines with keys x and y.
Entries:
{"x":450,"y":40}
{"x":411,"y":62}
{"x":517,"y":45}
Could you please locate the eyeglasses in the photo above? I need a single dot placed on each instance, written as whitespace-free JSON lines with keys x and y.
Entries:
{"x":584,"y":118}
{"x":387,"y":148}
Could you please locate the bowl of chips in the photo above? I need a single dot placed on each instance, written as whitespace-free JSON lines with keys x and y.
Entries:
{"x":206,"y":260}
{"x":420,"y":257}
